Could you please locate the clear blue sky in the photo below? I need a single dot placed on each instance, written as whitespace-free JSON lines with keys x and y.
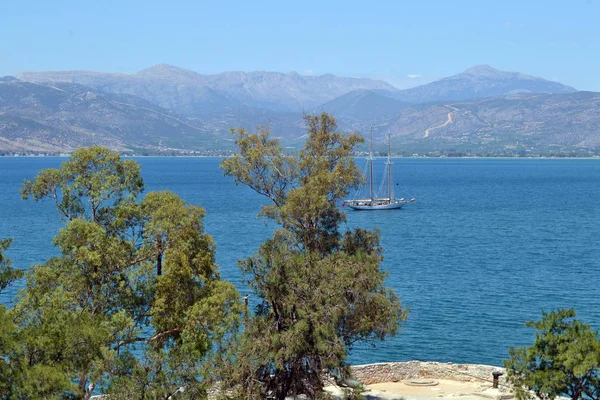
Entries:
{"x":404,"y":42}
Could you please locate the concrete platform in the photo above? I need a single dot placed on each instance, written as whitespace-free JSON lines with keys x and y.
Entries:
{"x":428,"y":389}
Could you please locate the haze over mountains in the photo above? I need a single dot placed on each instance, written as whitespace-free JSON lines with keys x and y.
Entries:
{"x":479,"y":110}
{"x":192,"y":93}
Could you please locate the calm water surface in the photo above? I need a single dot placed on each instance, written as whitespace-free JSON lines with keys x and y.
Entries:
{"x":488,"y":244}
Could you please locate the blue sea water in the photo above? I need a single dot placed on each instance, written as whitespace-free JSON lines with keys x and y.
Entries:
{"x":488,"y":244}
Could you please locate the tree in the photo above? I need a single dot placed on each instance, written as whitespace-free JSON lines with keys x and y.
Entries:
{"x":7,"y":327}
{"x":134,"y":304}
{"x":320,"y":290}
{"x":563,"y":360}
{"x":7,"y":273}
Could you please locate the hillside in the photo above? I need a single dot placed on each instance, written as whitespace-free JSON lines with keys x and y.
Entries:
{"x":360,"y":105}
{"x":528,"y":122}
{"x":44,"y":118}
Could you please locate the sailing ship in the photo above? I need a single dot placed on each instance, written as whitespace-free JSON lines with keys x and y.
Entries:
{"x":374,"y":202}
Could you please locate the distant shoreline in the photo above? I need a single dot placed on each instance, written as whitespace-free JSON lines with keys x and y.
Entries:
{"x":126,"y":155}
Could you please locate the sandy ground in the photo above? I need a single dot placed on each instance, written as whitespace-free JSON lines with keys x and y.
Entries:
{"x":444,"y":388}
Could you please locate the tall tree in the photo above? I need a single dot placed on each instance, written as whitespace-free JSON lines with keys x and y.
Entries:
{"x":8,"y":329}
{"x":564,"y":360}
{"x":320,"y":290}
{"x":135,"y":277}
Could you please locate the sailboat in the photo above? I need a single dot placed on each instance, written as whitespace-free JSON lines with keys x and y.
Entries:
{"x":378,"y":203}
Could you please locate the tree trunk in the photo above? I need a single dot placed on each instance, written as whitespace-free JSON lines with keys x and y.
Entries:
{"x":82,"y":382}
{"x":159,"y":265}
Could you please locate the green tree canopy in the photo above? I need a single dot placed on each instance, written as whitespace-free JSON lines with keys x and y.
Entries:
{"x":320,"y":290}
{"x":134,"y":304}
{"x":563,"y":360}
{"x":7,"y":273}
{"x":8,"y":329}
{"x":92,"y":182}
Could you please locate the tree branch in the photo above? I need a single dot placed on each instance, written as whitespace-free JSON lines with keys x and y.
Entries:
{"x":148,"y":340}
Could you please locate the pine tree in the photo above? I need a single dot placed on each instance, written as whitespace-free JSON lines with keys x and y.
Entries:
{"x":320,"y":289}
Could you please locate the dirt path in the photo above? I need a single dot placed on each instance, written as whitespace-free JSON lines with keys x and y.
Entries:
{"x":427,"y":131}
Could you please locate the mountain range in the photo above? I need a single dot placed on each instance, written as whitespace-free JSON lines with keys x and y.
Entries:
{"x":165,"y":107}
{"x":191,"y":93}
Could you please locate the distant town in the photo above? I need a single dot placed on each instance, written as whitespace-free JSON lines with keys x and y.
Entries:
{"x":584,"y":153}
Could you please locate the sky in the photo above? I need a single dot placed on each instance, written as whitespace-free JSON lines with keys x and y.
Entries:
{"x":406,"y":43}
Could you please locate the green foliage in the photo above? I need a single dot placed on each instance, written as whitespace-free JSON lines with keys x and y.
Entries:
{"x":304,"y":188}
{"x":18,"y":379}
{"x":320,"y":290}
{"x":84,"y":184}
{"x":563,"y":360}
{"x":7,"y":274}
{"x":134,"y":275}
{"x":7,"y":327}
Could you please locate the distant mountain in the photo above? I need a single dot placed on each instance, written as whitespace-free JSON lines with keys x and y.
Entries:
{"x":479,"y":82}
{"x":363,"y":104}
{"x":46,"y":118}
{"x":188,"y":92}
{"x":8,"y":78}
{"x":479,"y":110}
{"x":525,"y":121}
{"x":287,"y":126}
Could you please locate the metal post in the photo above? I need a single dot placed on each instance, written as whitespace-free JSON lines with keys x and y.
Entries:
{"x":371,"y":167}
{"x":496,"y":375}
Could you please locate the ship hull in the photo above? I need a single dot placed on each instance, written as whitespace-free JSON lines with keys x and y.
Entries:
{"x":377,"y":207}
{"x":368,"y":206}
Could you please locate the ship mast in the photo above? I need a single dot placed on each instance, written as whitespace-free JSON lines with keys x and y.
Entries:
{"x":389,"y":168}
{"x":371,"y":167}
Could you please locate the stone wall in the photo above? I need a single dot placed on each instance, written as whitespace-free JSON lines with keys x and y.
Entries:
{"x":399,"y":371}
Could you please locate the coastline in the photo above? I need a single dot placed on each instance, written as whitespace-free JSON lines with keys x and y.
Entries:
{"x":423,"y":157}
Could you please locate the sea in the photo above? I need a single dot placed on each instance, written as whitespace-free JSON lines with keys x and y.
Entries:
{"x":488,"y":244}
